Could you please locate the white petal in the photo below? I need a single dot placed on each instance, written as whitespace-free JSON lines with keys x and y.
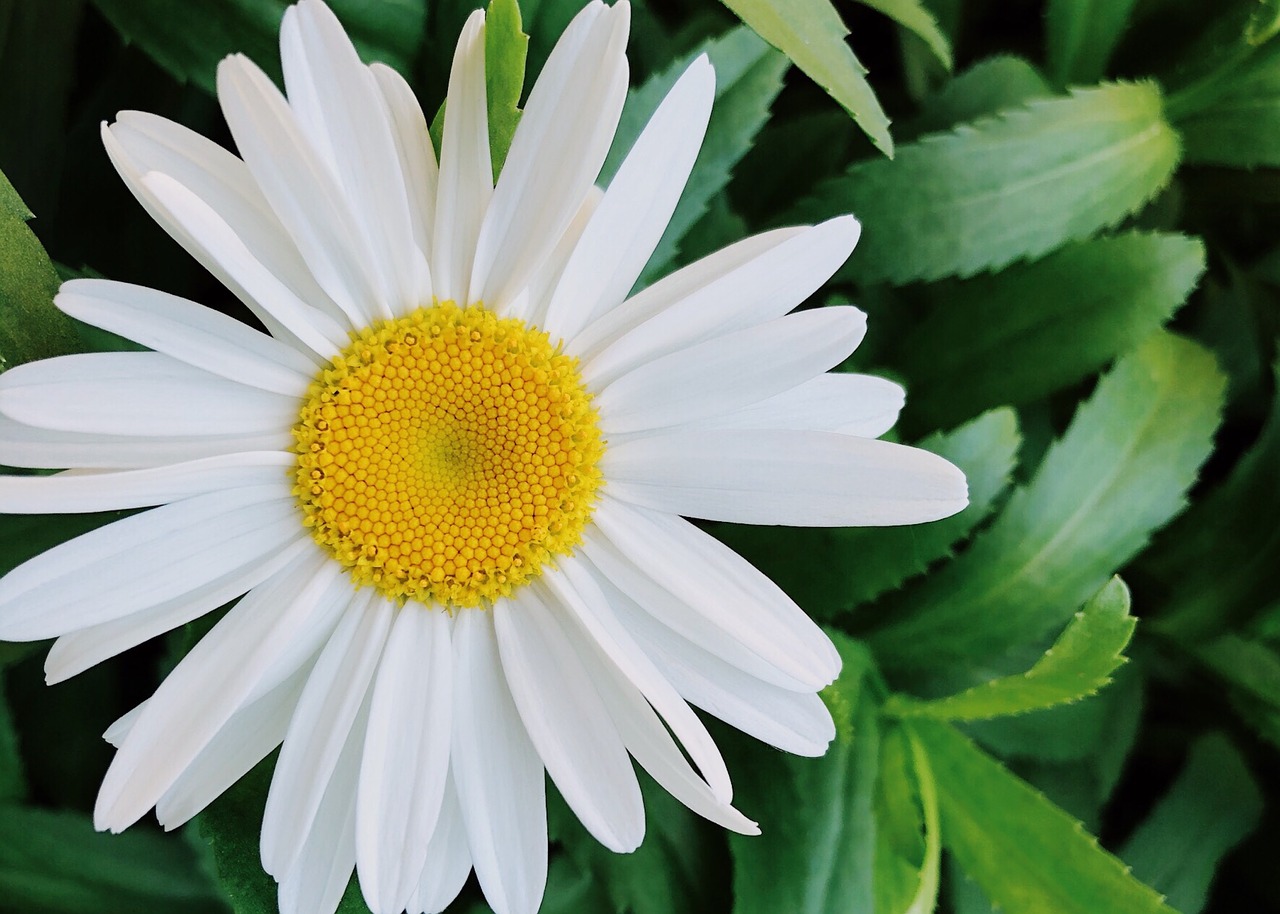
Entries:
{"x":730,"y":372}
{"x":320,"y":727}
{"x":78,"y":493}
{"x":318,"y":878}
{"x":144,"y":142}
{"x":848,"y":404}
{"x":498,"y":774}
{"x":719,"y":294}
{"x":143,"y":560}
{"x":78,"y":650}
{"x":635,"y":211}
{"x":653,"y":747}
{"x":347,"y":116}
{"x":796,"y":722}
{"x":204,"y":690}
{"x":556,"y":152}
{"x":300,"y":187}
{"x":530,"y":306}
{"x":26,"y":446}
{"x":189,"y":333}
{"x":138,"y":393}
{"x":448,"y":860}
{"x":314,"y":328}
{"x":568,"y":722}
{"x":578,"y":591}
{"x":798,"y":478}
{"x":466,"y":169}
{"x":413,"y":144}
{"x":717,"y":584}
{"x":406,"y":757}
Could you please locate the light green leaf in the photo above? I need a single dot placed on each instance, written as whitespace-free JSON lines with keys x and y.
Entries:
{"x":1008,"y":188}
{"x":1264,"y":24}
{"x":1119,"y":473}
{"x":30,"y":326}
{"x":1241,"y":127}
{"x":1081,"y":35}
{"x":748,"y":78}
{"x":189,"y":46}
{"x":916,"y":17}
{"x":985,"y":88}
{"x":1079,"y":664}
{"x":829,"y":572}
{"x":815,"y":851}
{"x":811,"y":33}
{"x":1212,"y":806}
{"x":56,"y":862}
{"x":505,"y":50}
{"x":908,"y":846}
{"x":1028,"y":856}
{"x":1047,"y":324}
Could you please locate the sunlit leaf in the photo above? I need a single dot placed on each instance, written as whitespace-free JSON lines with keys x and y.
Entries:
{"x":505,"y":49}
{"x":916,"y":17}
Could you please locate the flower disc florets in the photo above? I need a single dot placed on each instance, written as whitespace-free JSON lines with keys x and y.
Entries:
{"x":448,"y":456}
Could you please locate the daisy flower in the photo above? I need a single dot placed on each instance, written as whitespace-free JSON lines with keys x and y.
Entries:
{"x":449,"y":484}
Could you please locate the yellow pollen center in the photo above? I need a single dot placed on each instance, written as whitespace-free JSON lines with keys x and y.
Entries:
{"x":448,"y":456}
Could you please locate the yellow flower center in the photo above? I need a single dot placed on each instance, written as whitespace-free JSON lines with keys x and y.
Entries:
{"x":448,"y":456}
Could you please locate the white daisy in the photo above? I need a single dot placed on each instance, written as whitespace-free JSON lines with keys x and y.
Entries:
{"x":450,"y":484}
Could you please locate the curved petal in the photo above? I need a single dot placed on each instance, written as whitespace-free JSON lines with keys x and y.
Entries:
{"x":797,"y":478}
{"x":556,"y":152}
{"x":568,"y":722}
{"x":466,"y":169}
{"x":190,"y":333}
{"x":720,"y":294}
{"x":531,"y":305}
{"x":138,"y":393}
{"x":730,"y":372}
{"x":79,"y":493}
{"x":413,"y":144}
{"x":144,"y":560}
{"x":847,"y":404}
{"x":501,"y":788}
{"x":406,"y":757}
{"x":448,"y":860}
{"x":635,"y":210}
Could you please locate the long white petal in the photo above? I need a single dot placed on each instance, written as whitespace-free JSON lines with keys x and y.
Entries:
{"x":78,"y":493}
{"x":720,"y":294}
{"x":798,"y":478}
{"x":138,"y":393}
{"x":203,"y":691}
{"x":848,"y":404}
{"x":320,"y":727}
{"x":626,"y":227}
{"x":406,"y":757}
{"x":499,"y":776}
{"x":568,"y":722}
{"x":530,"y":305}
{"x":710,"y":580}
{"x":143,"y":560}
{"x":190,"y":333}
{"x":556,"y":153}
{"x":448,"y":859}
{"x":730,"y":372}
{"x":78,"y":650}
{"x":413,"y":144}
{"x":466,"y":169}
{"x":579,"y":592}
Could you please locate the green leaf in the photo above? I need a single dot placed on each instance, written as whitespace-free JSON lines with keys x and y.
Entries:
{"x":1092,"y":300}
{"x":56,"y":862}
{"x":985,"y":88}
{"x":1079,"y":664}
{"x":748,"y":78}
{"x":189,"y":46}
{"x":1081,"y":35}
{"x":916,"y":17}
{"x":1249,"y":665}
{"x":1028,"y":856}
{"x":505,"y":50}
{"x":830,"y":571}
{"x":13,"y":783}
{"x":1120,"y":472}
{"x":30,"y":326}
{"x":1008,"y":188}
{"x":1212,"y":806}
{"x":1264,"y":24}
{"x":1241,"y":127}
{"x":815,"y":851}
{"x":908,"y":846}
{"x":811,"y":33}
